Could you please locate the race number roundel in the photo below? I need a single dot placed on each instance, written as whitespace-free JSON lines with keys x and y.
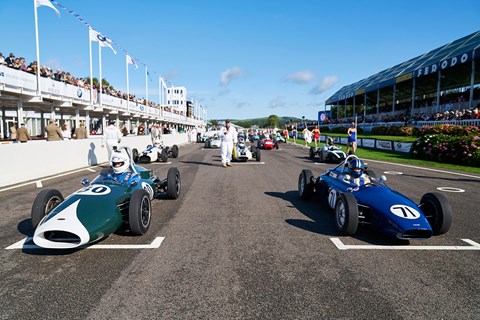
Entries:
{"x":94,"y":190}
{"x":404,"y":211}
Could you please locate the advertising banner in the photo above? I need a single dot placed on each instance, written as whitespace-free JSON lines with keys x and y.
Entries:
{"x":369,"y":143}
{"x":384,"y":145}
{"x":402,"y":146}
{"x":16,"y":78}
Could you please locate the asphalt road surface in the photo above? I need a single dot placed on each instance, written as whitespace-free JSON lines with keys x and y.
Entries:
{"x":240,"y":244}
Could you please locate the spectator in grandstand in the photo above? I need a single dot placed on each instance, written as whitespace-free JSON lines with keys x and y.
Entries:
{"x":2,"y":59}
{"x":53,"y":131}
{"x":66,"y":132}
{"x":22,"y":134}
{"x":80,"y":132}
{"x":10,"y":60}
{"x":57,"y":75}
{"x":352,"y":137}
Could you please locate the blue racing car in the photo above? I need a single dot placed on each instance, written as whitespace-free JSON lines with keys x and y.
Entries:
{"x":357,"y":197}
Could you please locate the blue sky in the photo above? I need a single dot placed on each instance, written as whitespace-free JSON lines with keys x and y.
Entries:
{"x":240,"y":59}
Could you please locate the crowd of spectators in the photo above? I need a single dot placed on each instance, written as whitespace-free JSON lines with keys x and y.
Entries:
{"x":19,"y":63}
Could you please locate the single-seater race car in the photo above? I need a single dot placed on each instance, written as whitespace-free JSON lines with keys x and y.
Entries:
{"x":357,"y":196}
{"x":156,"y":152}
{"x":328,"y":153}
{"x":120,"y":197}
{"x":267,"y":143}
{"x":213,"y":142}
{"x":241,"y":152}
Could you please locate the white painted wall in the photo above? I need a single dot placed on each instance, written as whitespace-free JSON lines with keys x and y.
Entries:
{"x":21,"y":162}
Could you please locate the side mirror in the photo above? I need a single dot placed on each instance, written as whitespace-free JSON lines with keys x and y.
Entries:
{"x":347,"y":178}
{"x":85,"y":182}
{"x":133,"y":183}
{"x":383,"y":178}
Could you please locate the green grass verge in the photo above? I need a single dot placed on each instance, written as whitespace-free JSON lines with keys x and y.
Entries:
{"x":390,"y":156}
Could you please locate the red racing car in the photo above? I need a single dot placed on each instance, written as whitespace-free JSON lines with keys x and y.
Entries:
{"x":267,"y":143}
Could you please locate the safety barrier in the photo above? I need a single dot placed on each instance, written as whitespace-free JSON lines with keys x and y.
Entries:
{"x":21,"y":162}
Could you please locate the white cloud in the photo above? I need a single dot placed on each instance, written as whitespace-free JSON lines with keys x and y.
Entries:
{"x":324,"y":85}
{"x":228,"y":75}
{"x":277,"y":103}
{"x":301,"y":77}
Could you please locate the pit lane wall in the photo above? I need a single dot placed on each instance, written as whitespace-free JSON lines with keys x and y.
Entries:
{"x":36,"y":159}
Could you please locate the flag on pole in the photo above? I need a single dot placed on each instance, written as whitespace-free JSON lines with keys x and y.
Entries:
{"x":101,"y":39}
{"x":130,"y":61}
{"x":46,"y":3}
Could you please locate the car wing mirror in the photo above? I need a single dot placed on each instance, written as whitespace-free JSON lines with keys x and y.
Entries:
{"x":133,"y":183}
{"x":383,"y":178}
{"x":85,"y":182}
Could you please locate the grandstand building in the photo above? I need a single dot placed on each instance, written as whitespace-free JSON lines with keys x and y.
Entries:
{"x":23,"y":101}
{"x":443,"y":80}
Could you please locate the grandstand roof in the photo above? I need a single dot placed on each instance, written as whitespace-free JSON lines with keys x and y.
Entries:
{"x":449,"y":55}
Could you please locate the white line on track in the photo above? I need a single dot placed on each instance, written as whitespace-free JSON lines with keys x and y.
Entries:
{"x":168,"y":162}
{"x":472,"y":247}
{"x":246,"y":163}
{"x":27,"y":243}
{"x":49,"y":178}
{"x":428,"y":169}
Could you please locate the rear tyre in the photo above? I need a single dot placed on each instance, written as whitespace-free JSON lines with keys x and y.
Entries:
{"x":438,"y":212}
{"x":175,"y":151}
{"x":139,"y":212}
{"x":346,"y":214}
{"x":311,"y":153}
{"x":276,"y":145}
{"x":135,"y":155}
{"x":305,"y":184}
{"x":257,"y":154}
{"x":173,"y":183}
{"x":45,"y":201}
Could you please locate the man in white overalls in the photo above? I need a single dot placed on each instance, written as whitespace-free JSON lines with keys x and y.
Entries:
{"x":228,"y":135}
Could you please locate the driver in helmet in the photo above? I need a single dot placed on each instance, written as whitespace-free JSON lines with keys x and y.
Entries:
{"x":120,"y":163}
{"x":356,"y":170}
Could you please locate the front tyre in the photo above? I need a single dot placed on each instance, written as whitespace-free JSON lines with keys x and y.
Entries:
{"x":311,"y":153}
{"x":305,"y":184}
{"x":346,"y":214}
{"x":140,"y":212}
{"x":438,"y":212}
{"x":45,"y":201}
{"x":173,"y":183}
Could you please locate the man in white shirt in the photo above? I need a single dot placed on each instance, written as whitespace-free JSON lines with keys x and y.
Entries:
{"x":228,"y":135}
{"x":111,"y":138}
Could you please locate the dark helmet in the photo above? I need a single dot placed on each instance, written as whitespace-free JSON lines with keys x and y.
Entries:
{"x":356,"y":167}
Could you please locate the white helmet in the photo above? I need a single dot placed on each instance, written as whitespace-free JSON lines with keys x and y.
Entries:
{"x":157,"y":143}
{"x":120,"y":162}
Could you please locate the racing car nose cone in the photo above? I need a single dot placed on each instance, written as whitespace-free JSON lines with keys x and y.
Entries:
{"x":61,"y":231}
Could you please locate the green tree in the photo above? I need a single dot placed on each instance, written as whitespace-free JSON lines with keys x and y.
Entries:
{"x":272,"y":121}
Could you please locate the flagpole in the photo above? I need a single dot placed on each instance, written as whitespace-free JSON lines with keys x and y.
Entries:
{"x":91,"y":68}
{"x":100,"y":70}
{"x":146,"y":90}
{"x":160,"y":95}
{"x":38,"y":47}
{"x":128,"y":86}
